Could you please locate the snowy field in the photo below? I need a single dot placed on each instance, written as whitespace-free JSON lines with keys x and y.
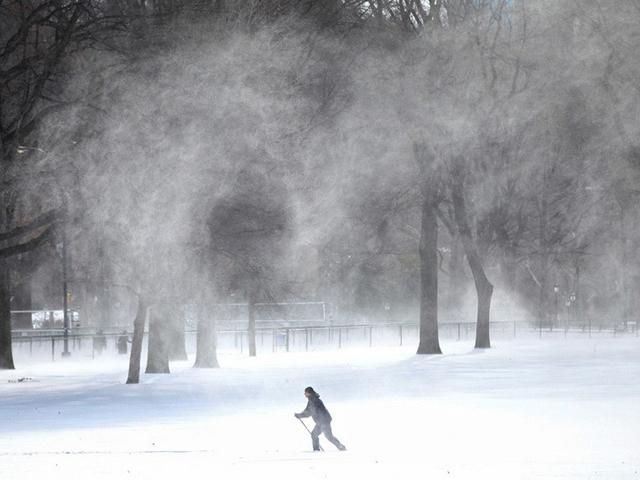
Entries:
{"x":556,"y":409}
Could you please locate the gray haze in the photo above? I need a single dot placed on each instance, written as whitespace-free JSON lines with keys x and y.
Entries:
{"x":290,"y":157}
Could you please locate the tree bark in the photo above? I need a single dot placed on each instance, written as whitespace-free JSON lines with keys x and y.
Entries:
{"x":136,"y":343}
{"x":6,"y":353}
{"x":624,"y":274}
{"x":206,"y":352}
{"x":484,"y":288}
{"x":158,"y":350}
{"x":428,"y":251}
{"x":251,"y":332}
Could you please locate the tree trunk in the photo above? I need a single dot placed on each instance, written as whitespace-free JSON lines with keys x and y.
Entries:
{"x":158,"y":350}
{"x":428,"y":251}
{"x":136,"y":344}
{"x":543,"y":298}
{"x":206,"y":352}
{"x":483,"y":322}
{"x":484,"y":288}
{"x":624,"y":274}
{"x":251,"y":333}
{"x":6,"y":354}
{"x":543,"y":247}
{"x":177,"y":347}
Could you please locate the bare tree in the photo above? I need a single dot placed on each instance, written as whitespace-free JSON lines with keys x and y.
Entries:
{"x":484,"y":288}
{"x":428,"y":250}
{"x":206,"y":349}
{"x":252,"y":227}
{"x":136,"y":342}
{"x":20,"y":240}
{"x":36,"y":40}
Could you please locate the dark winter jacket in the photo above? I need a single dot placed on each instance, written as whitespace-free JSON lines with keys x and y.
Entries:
{"x":316,"y":410}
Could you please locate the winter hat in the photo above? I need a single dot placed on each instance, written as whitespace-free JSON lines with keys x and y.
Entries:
{"x":309,"y":390}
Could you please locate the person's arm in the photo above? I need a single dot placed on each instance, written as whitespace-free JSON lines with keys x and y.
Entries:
{"x":305,"y":413}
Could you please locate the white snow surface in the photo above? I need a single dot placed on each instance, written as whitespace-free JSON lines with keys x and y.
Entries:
{"x":525,"y":409}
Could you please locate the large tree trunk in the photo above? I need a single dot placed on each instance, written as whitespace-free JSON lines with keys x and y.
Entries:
{"x":484,"y":288}
{"x":543,"y":248}
{"x":206,"y":353}
{"x":136,"y":344}
{"x":6,"y":354}
{"x":428,"y":250}
{"x":624,"y":274}
{"x":251,"y":333}
{"x":158,"y":350}
{"x":177,"y":347}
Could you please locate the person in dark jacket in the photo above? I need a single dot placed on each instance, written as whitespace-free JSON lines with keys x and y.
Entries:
{"x":319,"y":413}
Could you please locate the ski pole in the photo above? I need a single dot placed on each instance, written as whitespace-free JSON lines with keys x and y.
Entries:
{"x":307,"y":429}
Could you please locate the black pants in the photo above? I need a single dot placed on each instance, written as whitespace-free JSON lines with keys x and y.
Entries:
{"x":326,"y":429}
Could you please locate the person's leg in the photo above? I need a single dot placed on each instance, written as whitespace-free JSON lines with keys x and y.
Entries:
{"x":326,"y":429}
{"x":315,"y":437}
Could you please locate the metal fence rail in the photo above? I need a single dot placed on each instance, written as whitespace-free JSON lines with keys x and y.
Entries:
{"x":89,"y":343}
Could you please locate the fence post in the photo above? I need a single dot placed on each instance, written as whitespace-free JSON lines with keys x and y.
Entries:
{"x":31,"y":346}
{"x":339,"y":337}
{"x":400,"y":335}
{"x":514,"y":329}
{"x":306,"y":339}
{"x":458,"y":331}
{"x":287,"y":339}
{"x":241,"y":343}
{"x":53,"y":348}
{"x":370,"y":336}
{"x":274,"y":339}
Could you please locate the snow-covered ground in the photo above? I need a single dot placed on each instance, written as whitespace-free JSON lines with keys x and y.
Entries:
{"x":529,"y":408}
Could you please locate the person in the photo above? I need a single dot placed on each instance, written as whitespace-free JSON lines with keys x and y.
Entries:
{"x":321,"y":416}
